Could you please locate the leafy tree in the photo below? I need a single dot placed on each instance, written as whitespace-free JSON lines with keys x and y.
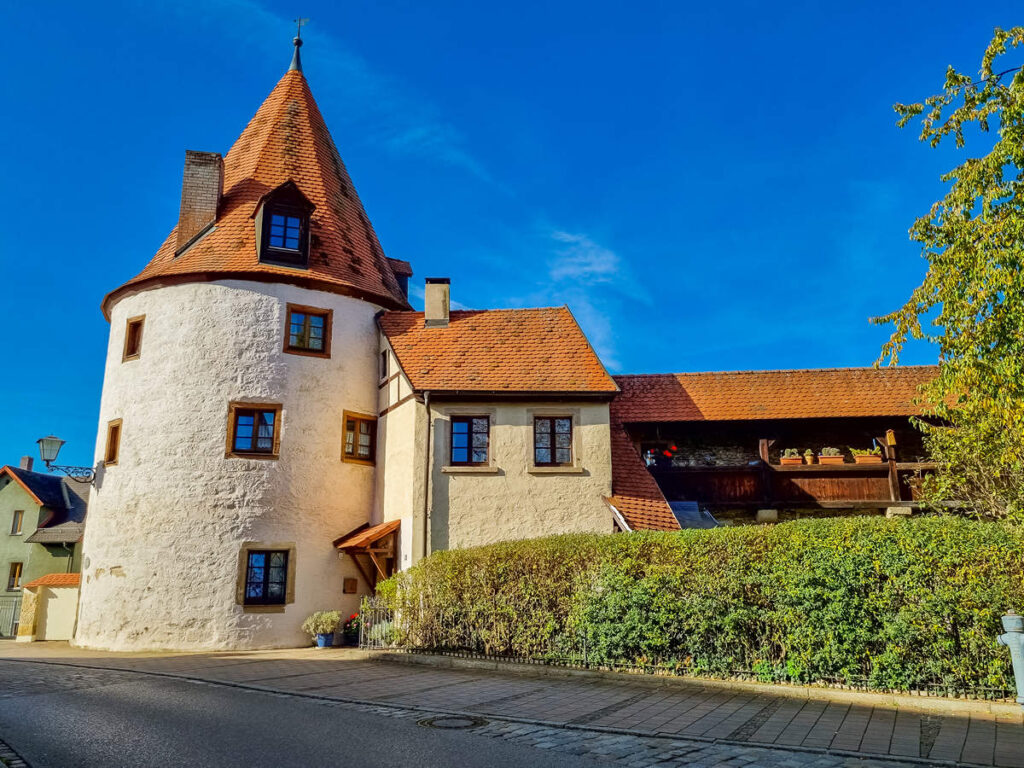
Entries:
{"x":971,"y":302}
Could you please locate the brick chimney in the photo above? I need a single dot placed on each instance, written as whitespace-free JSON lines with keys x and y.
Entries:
{"x":201,"y":188}
{"x":26,"y":463}
{"x":436,"y":300}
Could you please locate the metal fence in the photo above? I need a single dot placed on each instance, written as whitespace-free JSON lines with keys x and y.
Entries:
{"x":384,"y":629}
{"x":10,"y":610}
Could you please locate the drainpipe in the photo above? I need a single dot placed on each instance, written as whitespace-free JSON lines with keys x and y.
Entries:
{"x":425,"y":548}
{"x":1014,"y":640}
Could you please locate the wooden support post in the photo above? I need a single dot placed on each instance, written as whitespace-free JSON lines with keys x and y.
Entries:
{"x":888,"y":444}
{"x":767,"y":496}
{"x":366,"y":577}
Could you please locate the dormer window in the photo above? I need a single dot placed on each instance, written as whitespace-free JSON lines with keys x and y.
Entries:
{"x":282,"y":227}
{"x":284,"y":231}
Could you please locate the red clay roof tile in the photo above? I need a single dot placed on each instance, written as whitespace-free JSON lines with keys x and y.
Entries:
{"x":752,"y":395}
{"x":56,"y":580}
{"x":498,"y":350}
{"x":286,"y":140}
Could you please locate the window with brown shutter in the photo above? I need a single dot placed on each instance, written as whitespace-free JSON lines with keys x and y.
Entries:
{"x":360,"y":438}
{"x":113,"y":449}
{"x":552,"y":441}
{"x":14,"y":577}
{"x":308,"y":331}
{"x":133,"y":338}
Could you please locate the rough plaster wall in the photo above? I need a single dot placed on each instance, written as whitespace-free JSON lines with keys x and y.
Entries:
{"x":167,"y":522}
{"x":475,"y":508}
{"x":400,"y":441}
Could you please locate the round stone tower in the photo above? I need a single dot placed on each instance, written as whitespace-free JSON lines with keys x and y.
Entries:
{"x":237,"y":433}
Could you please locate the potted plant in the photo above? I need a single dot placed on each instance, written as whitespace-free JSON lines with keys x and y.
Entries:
{"x":791,"y":456}
{"x":809,"y":456}
{"x":869,"y":456}
{"x":830,"y":456}
{"x":321,"y":627}
{"x":350,"y":629}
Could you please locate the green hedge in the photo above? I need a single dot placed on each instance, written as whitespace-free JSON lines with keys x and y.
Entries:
{"x":893,"y":605}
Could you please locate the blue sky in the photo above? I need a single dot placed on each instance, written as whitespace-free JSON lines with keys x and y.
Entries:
{"x":708,"y":186}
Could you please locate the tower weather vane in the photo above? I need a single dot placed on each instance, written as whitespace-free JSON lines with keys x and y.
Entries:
{"x":296,"y":60}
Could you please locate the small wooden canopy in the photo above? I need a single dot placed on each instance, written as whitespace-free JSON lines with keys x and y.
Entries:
{"x":378,"y":544}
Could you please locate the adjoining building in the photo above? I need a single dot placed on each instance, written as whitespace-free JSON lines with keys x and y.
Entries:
{"x":42,"y":518}
{"x":279,"y":430}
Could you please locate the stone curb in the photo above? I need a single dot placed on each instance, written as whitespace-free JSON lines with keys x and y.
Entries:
{"x":839,"y":695}
{"x":508,"y":718}
{"x":10,"y":758}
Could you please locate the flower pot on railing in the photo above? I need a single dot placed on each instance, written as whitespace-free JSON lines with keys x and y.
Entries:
{"x":831,"y":456}
{"x":788,"y":461}
{"x":868,"y":458}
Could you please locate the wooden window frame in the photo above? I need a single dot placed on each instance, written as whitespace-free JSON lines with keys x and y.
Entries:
{"x":243,"y":572}
{"x":233,"y":408}
{"x":383,"y":366}
{"x":17,"y":522}
{"x":572,"y":437}
{"x":139,"y":321}
{"x":14,"y":577}
{"x":359,"y":417}
{"x":326,"y":314}
{"x":284,"y":257}
{"x":461,"y":418}
{"x":112,"y":448}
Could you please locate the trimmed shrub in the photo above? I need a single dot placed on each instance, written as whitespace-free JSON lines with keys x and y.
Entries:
{"x":885,"y":604}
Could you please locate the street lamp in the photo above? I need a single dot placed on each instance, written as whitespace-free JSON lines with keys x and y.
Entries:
{"x":49,"y":447}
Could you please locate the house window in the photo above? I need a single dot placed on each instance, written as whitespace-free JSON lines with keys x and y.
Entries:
{"x":384,"y":364}
{"x":113,"y":449}
{"x":360,"y":438}
{"x":133,"y":338}
{"x":14,"y":578}
{"x":266,"y":577}
{"x":284,"y":231}
{"x":471,"y":437}
{"x":285,"y":236}
{"x":308,"y":331}
{"x":19,"y":516}
{"x":254,"y":431}
{"x":552,"y":441}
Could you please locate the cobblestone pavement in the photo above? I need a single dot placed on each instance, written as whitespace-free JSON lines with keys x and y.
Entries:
{"x":628,"y":722}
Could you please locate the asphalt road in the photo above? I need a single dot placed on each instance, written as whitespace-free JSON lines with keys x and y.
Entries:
{"x":62,"y":717}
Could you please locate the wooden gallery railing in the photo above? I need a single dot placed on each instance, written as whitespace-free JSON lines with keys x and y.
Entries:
{"x":826,"y":486}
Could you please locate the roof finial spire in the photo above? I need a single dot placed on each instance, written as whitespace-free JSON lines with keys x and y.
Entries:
{"x":297,"y":41}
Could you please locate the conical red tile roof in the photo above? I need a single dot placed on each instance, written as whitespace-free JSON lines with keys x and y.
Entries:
{"x":287,"y":140}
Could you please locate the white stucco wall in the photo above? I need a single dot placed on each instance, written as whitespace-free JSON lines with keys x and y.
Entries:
{"x":167,"y":522}
{"x":512,"y":499}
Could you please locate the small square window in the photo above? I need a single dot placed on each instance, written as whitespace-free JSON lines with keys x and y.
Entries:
{"x":283,"y":235}
{"x":113,"y":448}
{"x":16,"y":522}
{"x":360,"y":438}
{"x":133,"y":338}
{"x":552,"y":441}
{"x":14,"y":577}
{"x":308,"y":331}
{"x":471,"y":436}
{"x":254,"y":431}
{"x":266,"y":577}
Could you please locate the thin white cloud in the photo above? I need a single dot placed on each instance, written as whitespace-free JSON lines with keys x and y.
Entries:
{"x":347,"y":87}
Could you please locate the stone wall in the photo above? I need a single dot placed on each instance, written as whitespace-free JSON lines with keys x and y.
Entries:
{"x":167,"y":522}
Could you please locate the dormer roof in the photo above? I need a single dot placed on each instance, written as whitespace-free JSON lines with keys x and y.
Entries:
{"x":286,"y":142}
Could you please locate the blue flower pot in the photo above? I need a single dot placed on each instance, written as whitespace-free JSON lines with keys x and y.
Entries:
{"x":325,"y":640}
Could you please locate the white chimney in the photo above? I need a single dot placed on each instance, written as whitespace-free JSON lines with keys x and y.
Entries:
{"x":26,"y":463}
{"x":436,"y":301}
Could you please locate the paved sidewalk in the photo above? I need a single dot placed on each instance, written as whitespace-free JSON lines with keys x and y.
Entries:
{"x":728,"y":723}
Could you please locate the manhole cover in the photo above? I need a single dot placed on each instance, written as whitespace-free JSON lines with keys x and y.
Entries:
{"x":453,"y":722}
